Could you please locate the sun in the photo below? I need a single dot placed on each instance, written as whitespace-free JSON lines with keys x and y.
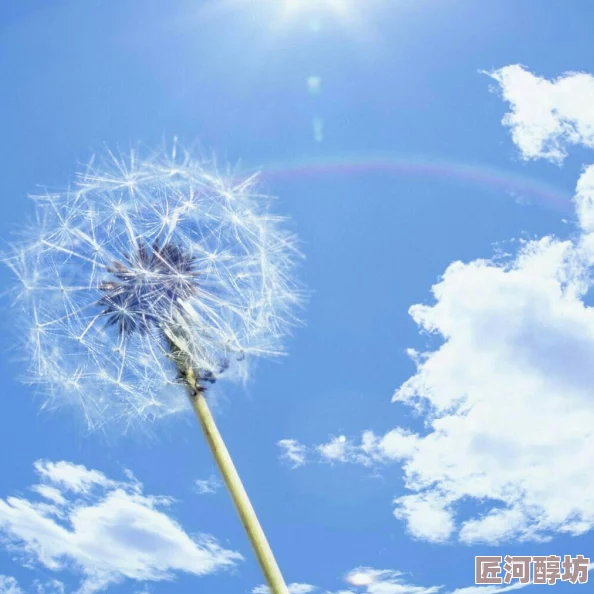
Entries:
{"x":339,"y":6}
{"x":340,"y":9}
{"x":275,"y":22}
{"x":348,"y":15}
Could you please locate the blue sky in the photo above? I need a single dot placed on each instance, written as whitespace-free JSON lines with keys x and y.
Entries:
{"x":394,"y":162}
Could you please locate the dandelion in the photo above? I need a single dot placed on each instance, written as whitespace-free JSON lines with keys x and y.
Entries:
{"x":149,"y":276}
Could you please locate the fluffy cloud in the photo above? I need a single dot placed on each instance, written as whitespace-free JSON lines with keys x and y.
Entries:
{"x":547,"y":115}
{"x":363,"y":580}
{"x":207,"y":486}
{"x":292,"y":451}
{"x":507,"y":397}
{"x":394,"y":445}
{"x":339,"y":449}
{"x":383,"y":581}
{"x":367,"y":580}
{"x":508,"y":394}
{"x":106,"y":530}
{"x":49,"y":587}
{"x":293,"y":589}
{"x":8,"y":585}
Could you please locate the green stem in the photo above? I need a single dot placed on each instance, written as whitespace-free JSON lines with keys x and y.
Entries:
{"x":246,"y":512}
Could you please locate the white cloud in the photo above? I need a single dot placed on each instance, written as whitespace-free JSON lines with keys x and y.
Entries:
{"x":367,"y":580}
{"x":293,"y":588}
{"x":394,"y":445}
{"x":300,"y":588}
{"x":547,"y":115}
{"x":507,"y":397}
{"x":384,"y":581}
{"x":207,"y":486}
{"x":428,"y":515}
{"x":50,"y":493}
{"x":292,"y":451}
{"x":363,"y":580}
{"x":70,"y":477}
{"x":49,"y":587}
{"x":509,"y":391}
{"x":106,"y":530}
{"x":338,"y":449}
{"x":8,"y":585}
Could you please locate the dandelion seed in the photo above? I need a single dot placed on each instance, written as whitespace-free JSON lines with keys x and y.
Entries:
{"x":188,"y":251}
{"x":147,"y":277}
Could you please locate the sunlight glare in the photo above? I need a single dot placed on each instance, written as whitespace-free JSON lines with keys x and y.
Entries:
{"x":336,"y":6}
{"x":360,"y":578}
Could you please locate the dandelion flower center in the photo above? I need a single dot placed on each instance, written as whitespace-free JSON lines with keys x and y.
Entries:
{"x":148,"y":287}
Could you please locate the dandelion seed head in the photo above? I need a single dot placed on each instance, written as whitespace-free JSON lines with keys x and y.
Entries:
{"x":138,"y":247}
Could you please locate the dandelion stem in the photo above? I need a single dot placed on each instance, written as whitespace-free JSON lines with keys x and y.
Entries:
{"x":240,"y":498}
{"x":250,"y":522}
